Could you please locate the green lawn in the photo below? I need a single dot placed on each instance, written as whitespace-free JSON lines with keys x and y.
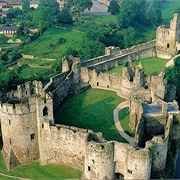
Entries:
{"x":92,"y":109}
{"x":36,"y":171}
{"x":124,"y":118}
{"x":47,"y":45}
{"x":152,"y":66}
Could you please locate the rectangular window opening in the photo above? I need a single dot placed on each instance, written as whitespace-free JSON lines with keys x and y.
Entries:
{"x":32,"y":136}
{"x":89,"y":168}
{"x":129,"y":171}
{"x":168,"y":45}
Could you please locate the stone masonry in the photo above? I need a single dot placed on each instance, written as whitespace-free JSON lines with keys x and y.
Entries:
{"x":30,"y":134}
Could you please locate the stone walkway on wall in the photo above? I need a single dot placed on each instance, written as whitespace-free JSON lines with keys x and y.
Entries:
{"x":171,"y":62}
{"x":116,"y":116}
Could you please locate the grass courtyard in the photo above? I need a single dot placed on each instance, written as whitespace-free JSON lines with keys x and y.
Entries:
{"x":152,"y":66}
{"x":124,"y":117}
{"x":92,"y":109}
{"x":36,"y":171}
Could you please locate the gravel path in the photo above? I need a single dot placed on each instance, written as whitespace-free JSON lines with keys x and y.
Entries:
{"x":118,"y":124}
{"x":116,"y":116}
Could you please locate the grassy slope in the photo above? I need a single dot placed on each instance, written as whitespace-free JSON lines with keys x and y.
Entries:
{"x":36,"y":62}
{"x":92,"y":109}
{"x":152,"y":66}
{"x":47,"y":46}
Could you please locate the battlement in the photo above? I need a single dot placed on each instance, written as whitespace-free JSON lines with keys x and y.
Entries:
{"x":115,"y":56}
{"x":59,"y":127}
{"x":24,"y":91}
{"x":24,"y":99}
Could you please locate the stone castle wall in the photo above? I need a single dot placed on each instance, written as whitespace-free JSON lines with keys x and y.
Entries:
{"x":29,"y":111}
{"x":118,"y":57}
{"x":63,"y":145}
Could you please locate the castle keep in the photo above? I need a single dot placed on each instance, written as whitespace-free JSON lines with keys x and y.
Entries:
{"x":30,"y":133}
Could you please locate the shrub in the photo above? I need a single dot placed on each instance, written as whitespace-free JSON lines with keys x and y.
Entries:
{"x":61,"y":40}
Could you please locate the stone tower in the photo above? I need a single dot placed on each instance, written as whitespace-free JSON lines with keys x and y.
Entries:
{"x":168,"y":38}
{"x":21,"y":113}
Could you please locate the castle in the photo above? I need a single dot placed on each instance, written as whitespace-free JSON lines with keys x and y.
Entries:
{"x":29,"y":131}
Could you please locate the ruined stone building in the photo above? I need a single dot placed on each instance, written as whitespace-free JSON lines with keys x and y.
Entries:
{"x":30,"y":133}
{"x":168,"y":38}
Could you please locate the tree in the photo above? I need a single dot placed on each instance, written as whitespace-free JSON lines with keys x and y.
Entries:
{"x":177,"y":10}
{"x":20,"y":30}
{"x":46,"y":14}
{"x":3,"y":39}
{"x":79,"y":6}
{"x":133,"y":13}
{"x":65,"y":17}
{"x":128,"y":36}
{"x":95,"y":32}
{"x":15,"y":11}
{"x":113,"y":7}
{"x":91,"y":49}
{"x":155,"y":16}
{"x":26,"y":6}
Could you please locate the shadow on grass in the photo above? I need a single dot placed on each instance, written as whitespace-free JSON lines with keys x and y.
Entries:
{"x":92,"y":109}
{"x":124,"y":117}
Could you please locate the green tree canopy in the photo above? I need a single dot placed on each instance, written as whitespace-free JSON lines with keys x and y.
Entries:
{"x":79,"y":6}
{"x":3,"y":39}
{"x":91,"y":49}
{"x":25,"y":5}
{"x":133,"y":12}
{"x":114,"y":7}
{"x":46,"y":14}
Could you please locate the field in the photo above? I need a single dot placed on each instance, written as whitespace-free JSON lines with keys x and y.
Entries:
{"x":152,"y":66}
{"x":48,"y":46}
{"x":92,"y":109}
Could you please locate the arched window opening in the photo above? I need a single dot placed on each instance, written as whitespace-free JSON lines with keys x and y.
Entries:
{"x":45,"y":111}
